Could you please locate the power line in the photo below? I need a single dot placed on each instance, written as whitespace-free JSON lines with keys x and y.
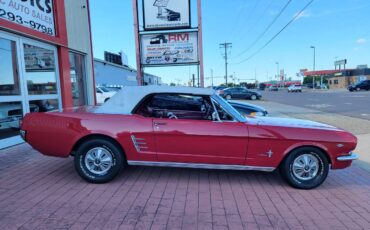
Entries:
{"x":277,"y":34}
{"x":265,"y":31}
{"x":258,"y":20}
{"x":248,"y":17}
{"x":240,"y":12}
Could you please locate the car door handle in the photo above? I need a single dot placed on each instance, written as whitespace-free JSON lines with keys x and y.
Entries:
{"x":160,"y":123}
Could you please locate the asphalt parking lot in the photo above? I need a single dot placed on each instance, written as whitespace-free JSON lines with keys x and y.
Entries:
{"x":355,"y":104}
{"x":39,"y":192}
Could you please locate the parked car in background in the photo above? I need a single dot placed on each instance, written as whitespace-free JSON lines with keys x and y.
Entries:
{"x":295,"y":89}
{"x":103,"y":94}
{"x":273,"y":88}
{"x":186,"y":127}
{"x":364,"y":85}
{"x":247,"y":109}
{"x":239,"y":93}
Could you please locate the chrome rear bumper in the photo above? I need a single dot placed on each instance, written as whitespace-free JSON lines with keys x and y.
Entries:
{"x":350,"y":157}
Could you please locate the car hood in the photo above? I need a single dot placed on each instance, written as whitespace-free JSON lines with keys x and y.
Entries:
{"x":109,"y":94}
{"x":290,"y":122}
{"x":232,"y":102}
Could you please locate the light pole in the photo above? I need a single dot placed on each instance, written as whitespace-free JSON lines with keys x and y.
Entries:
{"x":211,"y":77}
{"x":314,"y":66}
{"x":277,"y":69}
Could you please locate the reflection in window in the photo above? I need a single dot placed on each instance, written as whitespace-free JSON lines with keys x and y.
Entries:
{"x":77,"y":79}
{"x":40,"y":70}
{"x":43,"y":105}
{"x":9,"y":81}
{"x":10,"y":115}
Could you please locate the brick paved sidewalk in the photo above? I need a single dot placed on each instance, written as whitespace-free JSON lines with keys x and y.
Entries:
{"x":38,"y":192}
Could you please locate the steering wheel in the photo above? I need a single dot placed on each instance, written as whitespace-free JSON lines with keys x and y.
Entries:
{"x":171,"y":115}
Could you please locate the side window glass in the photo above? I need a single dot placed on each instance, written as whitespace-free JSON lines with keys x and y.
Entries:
{"x":224,"y":116}
{"x":177,"y":106}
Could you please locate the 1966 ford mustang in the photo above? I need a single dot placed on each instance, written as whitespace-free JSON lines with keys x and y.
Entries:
{"x":186,"y":127}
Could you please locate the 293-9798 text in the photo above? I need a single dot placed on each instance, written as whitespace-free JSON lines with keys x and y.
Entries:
{"x":18,"y":19}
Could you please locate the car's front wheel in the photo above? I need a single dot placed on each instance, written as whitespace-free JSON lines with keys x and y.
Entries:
{"x":253,"y":97}
{"x":98,"y":160}
{"x":305,"y":168}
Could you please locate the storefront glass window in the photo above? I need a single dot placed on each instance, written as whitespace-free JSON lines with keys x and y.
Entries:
{"x":78,"y":79}
{"x":10,"y":115}
{"x":40,"y":70}
{"x":9,"y":80}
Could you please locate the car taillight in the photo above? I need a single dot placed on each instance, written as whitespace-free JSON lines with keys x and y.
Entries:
{"x":221,"y":92}
{"x":20,"y":122}
{"x":23,"y":134}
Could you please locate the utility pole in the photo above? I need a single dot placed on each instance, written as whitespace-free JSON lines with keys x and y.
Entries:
{"x":226,"y":46}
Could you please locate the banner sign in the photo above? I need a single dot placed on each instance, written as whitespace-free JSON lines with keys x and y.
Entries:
{"x":170,"y":48}
{"x":166,"y":14}
{"x":35,"y":14}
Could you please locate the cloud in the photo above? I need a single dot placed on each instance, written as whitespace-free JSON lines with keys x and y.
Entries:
{"x":361,"y":41}
{"x":303,"y":14}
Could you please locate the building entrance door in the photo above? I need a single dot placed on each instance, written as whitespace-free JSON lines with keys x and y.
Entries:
{"x":29,"y":82}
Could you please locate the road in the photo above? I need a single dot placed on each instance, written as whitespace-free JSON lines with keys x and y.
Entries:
{"x":356,"y":104}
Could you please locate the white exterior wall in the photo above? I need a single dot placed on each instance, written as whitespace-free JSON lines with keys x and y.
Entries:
{"x":79,"y":39}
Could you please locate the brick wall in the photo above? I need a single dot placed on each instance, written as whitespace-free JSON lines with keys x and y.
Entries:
{"x":343,"y":82}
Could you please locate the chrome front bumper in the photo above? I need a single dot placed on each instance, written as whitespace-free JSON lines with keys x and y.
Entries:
{"x":350,"y":157}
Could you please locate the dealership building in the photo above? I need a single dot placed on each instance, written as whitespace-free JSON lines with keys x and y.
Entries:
{"x":115,"y":75}
{"x":46,"y":60}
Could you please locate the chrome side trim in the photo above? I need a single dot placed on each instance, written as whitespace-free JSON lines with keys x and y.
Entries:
{"x":351,"y":157}
{"x":139,"y":143}
{"x":201,"y":166}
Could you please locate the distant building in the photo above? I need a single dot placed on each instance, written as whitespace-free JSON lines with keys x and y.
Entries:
{"x":115,"y":75}
{"x":339,"y":79}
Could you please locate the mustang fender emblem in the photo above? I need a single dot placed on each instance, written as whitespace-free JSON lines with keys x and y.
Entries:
{"x":269,"y":153}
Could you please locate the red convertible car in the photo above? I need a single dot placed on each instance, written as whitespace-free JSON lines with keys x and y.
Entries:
{"x":186,"y":127}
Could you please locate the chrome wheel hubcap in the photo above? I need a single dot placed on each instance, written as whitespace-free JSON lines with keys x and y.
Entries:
{"x":306,"y":167}
{"x":98,"y":160}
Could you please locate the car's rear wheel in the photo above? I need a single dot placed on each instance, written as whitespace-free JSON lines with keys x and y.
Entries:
{"x":253,"y":97}
{"x":305,"y":168}
{"x":98,"y":160}
{"x":228,"y":97}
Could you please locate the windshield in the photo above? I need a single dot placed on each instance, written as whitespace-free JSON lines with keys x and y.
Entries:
{"x":229,"y":108}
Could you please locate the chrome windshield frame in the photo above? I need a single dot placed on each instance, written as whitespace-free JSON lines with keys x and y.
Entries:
{"x":228,"y":108}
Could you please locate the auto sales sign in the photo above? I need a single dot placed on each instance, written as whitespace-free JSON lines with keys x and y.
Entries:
{"x":35,"y":14}
{"x":169,"y":48}
{"x":166,"y":14}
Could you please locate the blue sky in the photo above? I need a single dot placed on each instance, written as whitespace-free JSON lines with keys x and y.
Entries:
{"x":337,"y":28}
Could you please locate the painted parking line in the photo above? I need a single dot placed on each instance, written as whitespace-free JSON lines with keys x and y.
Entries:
{"x":319,"y":106}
